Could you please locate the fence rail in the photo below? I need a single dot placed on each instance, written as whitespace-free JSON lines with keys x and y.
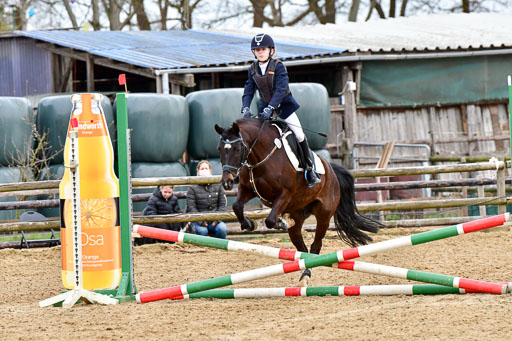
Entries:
{"x":498,"y":166}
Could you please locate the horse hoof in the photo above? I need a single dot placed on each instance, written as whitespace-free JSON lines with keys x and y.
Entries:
{"x":281,"y":224}
{"x":249,"y":225}
{"x":305,"y":278}
{"x":252,"y":225}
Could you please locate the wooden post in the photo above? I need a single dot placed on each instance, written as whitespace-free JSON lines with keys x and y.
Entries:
{"x":464,"y":189}
{"x":350,"y":117}
{"x":481,"y":194}
{"x":159,"y":88}
{"x":383,"y":163}
{"x":500,"y":186}
{"x":175,"y":89}
{"x":90,"y":73}
{"x":431,"y":118}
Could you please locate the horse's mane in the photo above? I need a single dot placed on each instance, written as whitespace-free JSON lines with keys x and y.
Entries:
{"x":252,"y":122}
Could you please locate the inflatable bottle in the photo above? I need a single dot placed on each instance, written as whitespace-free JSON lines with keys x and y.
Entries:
{"x":99,"y":199}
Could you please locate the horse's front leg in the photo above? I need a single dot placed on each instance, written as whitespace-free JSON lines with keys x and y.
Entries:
{"x":278,"y":207}
{"x":242,"y":197}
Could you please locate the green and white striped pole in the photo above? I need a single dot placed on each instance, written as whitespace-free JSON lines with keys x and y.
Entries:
{"x":383,"y":290}
{"x":358,"y":266}
{"x":335,"y":257}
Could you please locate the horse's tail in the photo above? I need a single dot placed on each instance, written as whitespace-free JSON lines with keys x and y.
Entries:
{"x":348,"y":220}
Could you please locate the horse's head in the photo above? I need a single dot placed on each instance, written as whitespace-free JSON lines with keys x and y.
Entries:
{"x":231,"y":149}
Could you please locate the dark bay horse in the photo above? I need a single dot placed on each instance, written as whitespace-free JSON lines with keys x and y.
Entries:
{"x":248,"y":149}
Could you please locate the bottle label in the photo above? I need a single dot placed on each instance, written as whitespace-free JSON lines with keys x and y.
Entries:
{"x":100,"y":235}
{"x":90,"y":127}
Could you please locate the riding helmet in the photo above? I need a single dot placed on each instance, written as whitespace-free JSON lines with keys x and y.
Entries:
{"x":262,"y":40}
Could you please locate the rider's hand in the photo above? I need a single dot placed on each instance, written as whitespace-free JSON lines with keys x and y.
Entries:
{"x":246,"y":112}
{"x":267,"y":112}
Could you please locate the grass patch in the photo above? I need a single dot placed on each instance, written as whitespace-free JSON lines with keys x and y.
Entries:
{"x":15,"y":237}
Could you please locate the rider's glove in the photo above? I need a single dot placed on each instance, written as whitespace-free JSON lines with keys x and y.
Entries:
{"x":267,"y":112}
{"x":246,"y":112}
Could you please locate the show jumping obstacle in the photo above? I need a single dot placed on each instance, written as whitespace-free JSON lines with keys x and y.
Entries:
{"x":377,"y":269}
{"x":336,"y":257}
{"x":401,"y":289}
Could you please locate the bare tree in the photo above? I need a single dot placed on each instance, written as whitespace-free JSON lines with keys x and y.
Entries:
{"x":19,"y":19}
{"x":354,"y":9}
{"x":258,"y":8}
{"x":95,"y":21}
{"x":70,"y":13}
{"x":142,"y":17}
{"x":327,"y":13}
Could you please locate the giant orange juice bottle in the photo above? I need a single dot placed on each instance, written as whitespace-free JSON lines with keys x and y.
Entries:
{"x":99,"y":199}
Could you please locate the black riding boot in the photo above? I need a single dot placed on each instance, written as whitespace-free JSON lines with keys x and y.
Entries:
{"x":311,"y":175}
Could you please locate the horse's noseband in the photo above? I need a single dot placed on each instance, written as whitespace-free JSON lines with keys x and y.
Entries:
{"x":227,"y":145}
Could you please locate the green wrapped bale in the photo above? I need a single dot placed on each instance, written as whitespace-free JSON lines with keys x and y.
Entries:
{"x":16,"y":138}
{"x":9,"y":175}
{"x":53,"y":172}
{"x":314,"y":112}
{"x":207,"y":108}
{"x":53,"y":115}
{"x":160,"y":125}
{"x":158,"y":170}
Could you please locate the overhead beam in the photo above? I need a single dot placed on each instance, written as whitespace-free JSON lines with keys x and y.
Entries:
{"x":83,"y":56}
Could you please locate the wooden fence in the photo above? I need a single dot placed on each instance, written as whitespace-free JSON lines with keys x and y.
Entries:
{"x":500,"y":199}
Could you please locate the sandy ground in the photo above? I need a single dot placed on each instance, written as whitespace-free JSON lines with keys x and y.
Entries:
{"x":28,"y":276}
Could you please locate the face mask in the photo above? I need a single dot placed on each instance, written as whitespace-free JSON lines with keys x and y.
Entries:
{"x":204,"y":172}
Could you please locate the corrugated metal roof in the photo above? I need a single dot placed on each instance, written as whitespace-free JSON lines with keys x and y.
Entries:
{"x":418,"y":33}
{"x":172,"y":49}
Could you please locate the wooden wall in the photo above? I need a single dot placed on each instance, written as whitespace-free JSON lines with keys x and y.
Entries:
{"x":473,"y":130}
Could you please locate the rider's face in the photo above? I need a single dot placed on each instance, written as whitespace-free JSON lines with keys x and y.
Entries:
{"x":262,"y":53}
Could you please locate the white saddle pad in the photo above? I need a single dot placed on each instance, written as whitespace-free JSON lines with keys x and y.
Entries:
{"x":319,"y":166}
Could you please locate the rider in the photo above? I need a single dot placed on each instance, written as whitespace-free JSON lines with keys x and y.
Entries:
{"x":270,"y":77}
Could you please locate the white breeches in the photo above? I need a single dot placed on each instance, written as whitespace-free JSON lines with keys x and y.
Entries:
{"x":294,"y":124}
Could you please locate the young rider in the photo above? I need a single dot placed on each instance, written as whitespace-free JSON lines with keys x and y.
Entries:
{"x":270,"y":78}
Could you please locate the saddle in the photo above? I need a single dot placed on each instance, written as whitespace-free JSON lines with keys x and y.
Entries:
{"x":288,"y":141}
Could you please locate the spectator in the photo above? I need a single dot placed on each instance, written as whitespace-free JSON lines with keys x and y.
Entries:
{"x":207,"y":198}
{"x":163,"y":201}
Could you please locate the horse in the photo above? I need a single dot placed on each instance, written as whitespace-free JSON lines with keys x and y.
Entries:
{"x":248,"y":150}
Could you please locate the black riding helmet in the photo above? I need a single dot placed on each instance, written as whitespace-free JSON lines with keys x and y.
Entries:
{"x":262,"y":40}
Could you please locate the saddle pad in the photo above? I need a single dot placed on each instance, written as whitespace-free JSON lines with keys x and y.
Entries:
{"x":283,"y":142}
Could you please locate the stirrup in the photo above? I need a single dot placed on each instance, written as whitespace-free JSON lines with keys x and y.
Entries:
{"x":317,"y":179}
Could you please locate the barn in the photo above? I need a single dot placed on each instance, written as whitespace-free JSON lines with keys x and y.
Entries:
{"x":434,"y":85}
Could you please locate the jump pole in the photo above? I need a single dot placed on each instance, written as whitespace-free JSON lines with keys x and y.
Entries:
{"x":335,"y":257}
{"x":358,"y":266}
{"x":382,"y":290}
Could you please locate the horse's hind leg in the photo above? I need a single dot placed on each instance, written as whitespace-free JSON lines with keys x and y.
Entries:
{"x":322,"y":225}
{"x":295,"y":233}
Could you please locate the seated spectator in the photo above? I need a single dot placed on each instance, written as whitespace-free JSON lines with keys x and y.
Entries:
{"x":207,"y":198}
{"x":163,"y":201}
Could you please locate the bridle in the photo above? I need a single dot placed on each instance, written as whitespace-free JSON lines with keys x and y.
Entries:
{"x":244,"y":162}
{"x":234,"y":170}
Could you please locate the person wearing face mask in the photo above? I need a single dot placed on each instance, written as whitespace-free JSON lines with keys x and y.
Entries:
{"x":204,"y":198}
{"x":163,"y":201}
